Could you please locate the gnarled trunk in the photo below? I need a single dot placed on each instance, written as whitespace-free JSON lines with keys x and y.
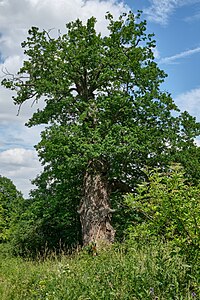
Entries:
{"x":95,"y":211}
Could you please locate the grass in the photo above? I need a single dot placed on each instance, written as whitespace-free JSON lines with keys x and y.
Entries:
{"x":129,"y":271}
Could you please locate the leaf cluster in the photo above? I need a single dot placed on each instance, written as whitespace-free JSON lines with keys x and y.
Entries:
{"x":11,"y":204}
{"x":168,"y":206}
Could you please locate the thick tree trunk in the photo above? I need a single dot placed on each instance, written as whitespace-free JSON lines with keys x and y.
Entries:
{"x":95,"y":211}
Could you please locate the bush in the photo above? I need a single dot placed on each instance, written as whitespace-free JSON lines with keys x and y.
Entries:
{"x":168,"y":206}
{"x":47,"y":223}
{"x":11,"y":206}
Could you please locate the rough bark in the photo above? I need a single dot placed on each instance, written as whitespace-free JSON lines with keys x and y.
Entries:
{"x":95,"y":212}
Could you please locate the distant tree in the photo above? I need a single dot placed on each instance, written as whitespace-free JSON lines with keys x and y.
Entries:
{"x":11,"y":203}
{"x":106,"y":115}
{"x":48,"y":222}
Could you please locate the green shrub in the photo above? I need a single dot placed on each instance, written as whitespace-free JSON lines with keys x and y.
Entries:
{"x":11,"y":206}
{"x":168,"y":206}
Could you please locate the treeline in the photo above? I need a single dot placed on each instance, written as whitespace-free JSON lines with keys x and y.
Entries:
{"x":166,"y":206}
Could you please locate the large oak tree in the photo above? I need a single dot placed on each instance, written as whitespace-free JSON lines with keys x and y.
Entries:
{"x":106,"y":114}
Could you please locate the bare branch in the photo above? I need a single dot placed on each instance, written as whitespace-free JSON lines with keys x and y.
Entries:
{"x":48,"y":31}
{"x":19,"y":109}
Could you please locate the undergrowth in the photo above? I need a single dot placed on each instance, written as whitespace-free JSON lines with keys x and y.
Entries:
{"x":152,"y":270}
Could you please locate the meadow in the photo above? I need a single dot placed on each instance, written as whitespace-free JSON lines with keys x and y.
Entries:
{"x":132,"y":270}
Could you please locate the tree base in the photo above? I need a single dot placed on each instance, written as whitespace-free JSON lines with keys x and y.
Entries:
{"x":95,"y":212}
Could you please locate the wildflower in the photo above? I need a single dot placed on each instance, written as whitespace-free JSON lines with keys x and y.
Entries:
{"x":62,"y":269}
{"x":194,"y":295}
{"x":151,"y":291}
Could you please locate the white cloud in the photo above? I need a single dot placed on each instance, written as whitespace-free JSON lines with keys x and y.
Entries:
{"x":197,"y":141}
{"x":17,"y":157}
{"x":161,"y":10}
{"x":156,"y":53}
{"x":21,"y":166}
{"x":171,"y":59}
{"x":16,"y":17}
{"x":14,"y":135}
{"x":190,"y":101}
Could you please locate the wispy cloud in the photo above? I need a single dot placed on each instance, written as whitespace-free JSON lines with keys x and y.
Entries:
{"x":173,"y":58}
{"x":193,"y":18}
{"x":160,"y":10}
{"x":190,"y":101}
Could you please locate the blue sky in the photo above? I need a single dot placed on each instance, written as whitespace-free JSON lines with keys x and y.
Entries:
{"x":176,"y":24}
{"x":178,"y":41}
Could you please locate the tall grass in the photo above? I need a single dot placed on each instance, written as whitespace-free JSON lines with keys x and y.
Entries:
{"x":129,"y":271}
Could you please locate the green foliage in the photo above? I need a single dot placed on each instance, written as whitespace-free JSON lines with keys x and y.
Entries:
{"x":103,"y":103}
{"x":50,"y":221}
{"x":129,"y":271}
{"x":11,"y":204}
{"x":167,"y":205}
{"x":2,"y":223}
{"x":103,"y":99}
